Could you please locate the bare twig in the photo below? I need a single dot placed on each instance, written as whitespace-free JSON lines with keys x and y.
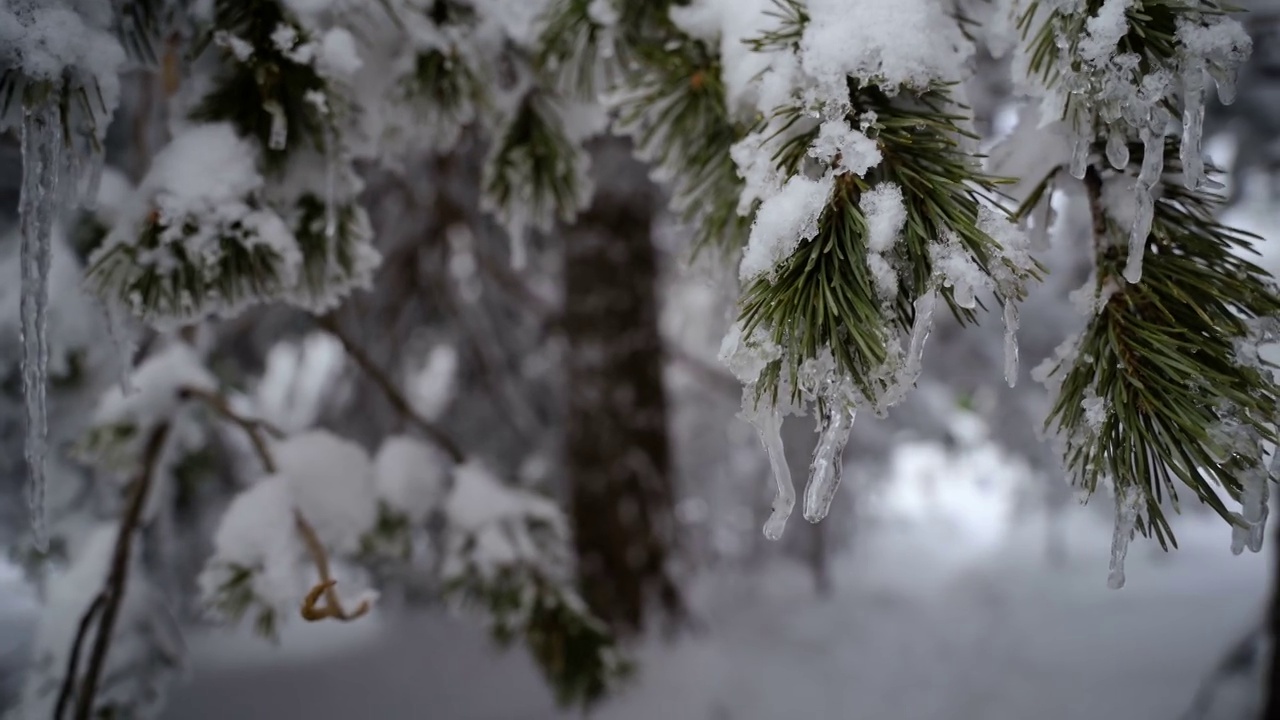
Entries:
{"x":330,"y":324}
{"x":312,"y":611}
{"x":67,"y":691}
{"x":252,"y":427}
{"x":118,"y":577}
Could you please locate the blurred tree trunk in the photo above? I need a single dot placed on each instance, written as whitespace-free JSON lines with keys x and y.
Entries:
{"x":617,"y":452}
{"x":1271,"y":676}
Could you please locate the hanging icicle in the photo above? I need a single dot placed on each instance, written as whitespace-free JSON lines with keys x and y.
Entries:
{"x":278,"y":137}
{"x":1010,"y":342}
{"x":1144,"y":202}
{"x":42,"y":160}
{"x":768,"y":423}
{"x":1128,"y":501}
{"x":825,"y":469}
{"x":1192,"y":125}
{"x":330,"y":187}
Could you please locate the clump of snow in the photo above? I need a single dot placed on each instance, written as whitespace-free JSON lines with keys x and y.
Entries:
{"x":257,"y":534}
{"x":154,"y":397}
{"x":338,"y":55}
{"x":410,"y":476}
{"x":782,"y":223}
{"x":746,"y":357}
{"x":331,"y":482}
{"x":1104,"y":30}
{"x":845,"y":149}
{"x":881,"y":42}
{"x":496,"y":526}
{"x":958,"y":271}
{"x":46,"y":41}
{"x":885,"y":213}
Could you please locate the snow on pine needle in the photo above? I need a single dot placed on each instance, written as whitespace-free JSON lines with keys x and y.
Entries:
{"x":1161,"y":391}
{"x":868,"y":208}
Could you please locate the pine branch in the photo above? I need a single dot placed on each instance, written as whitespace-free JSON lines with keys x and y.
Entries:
{"x":823,"y":296}
{"x":1165,"y":387}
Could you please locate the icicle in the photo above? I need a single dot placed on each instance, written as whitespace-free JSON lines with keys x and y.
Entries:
{"x":1254,"y":511}
{"x":1144,"y":202}
{"x":1118,"y":150}
{"x":278,"y":137}
{"x":825,"y":469}
{"x":1128,"y":499}
{"x":330,"y":184}
{"x":123,"y":347}
{"x":93,"y":178}
{"x":1010,"y":342}
{"x":1192,"y":127}
{"x":1225,"y":79}
{"x":1080,"y":157}
{"x":519,"y":248}
{"x":768,"y":423}
{"x":920,"y":329}
{"x":42,"y":158}
{"x":1040,"y":234}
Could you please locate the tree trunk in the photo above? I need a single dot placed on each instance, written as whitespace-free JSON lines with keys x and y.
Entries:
{"x":617,"y":449}
{"x":1271,"y":676}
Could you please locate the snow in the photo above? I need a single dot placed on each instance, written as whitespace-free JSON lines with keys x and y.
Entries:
{"x":880,"y":42}
{"x":432,"y":388}
{"x":782,"y":223}
{"x":494,"y":525}
{"x":946,"y":608}
{"x":411,"y":476}
{"x":157,"y":381}
{"x":747,"y":357}
{"x":43,"y":39}
{"x":886,"y":214}
{"x":257,"y":532}
{"x":338,"y":55}
{"x":200,"y":192}
{"x":845,"y":149}
{"x":331,"y":481}
{"x":1104,"y":30}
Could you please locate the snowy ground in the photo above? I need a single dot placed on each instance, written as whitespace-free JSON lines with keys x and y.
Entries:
{"x":947,"y":613}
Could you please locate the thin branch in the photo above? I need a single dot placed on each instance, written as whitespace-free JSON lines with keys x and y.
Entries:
{"x":397,"y":399}
{"x":73,"y":661}
{"x":118,"y":578}
{"x":312,"y":610}
{"x":252,"y":427}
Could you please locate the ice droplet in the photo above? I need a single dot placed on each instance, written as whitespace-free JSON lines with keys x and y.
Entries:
{"x":825,"y":468}
{"x":330,"y":186}
{"x":1225,"y":79}
{"x":921,"y":326}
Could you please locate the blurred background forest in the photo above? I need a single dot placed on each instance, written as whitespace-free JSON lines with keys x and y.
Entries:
{"x":957,"y":577}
